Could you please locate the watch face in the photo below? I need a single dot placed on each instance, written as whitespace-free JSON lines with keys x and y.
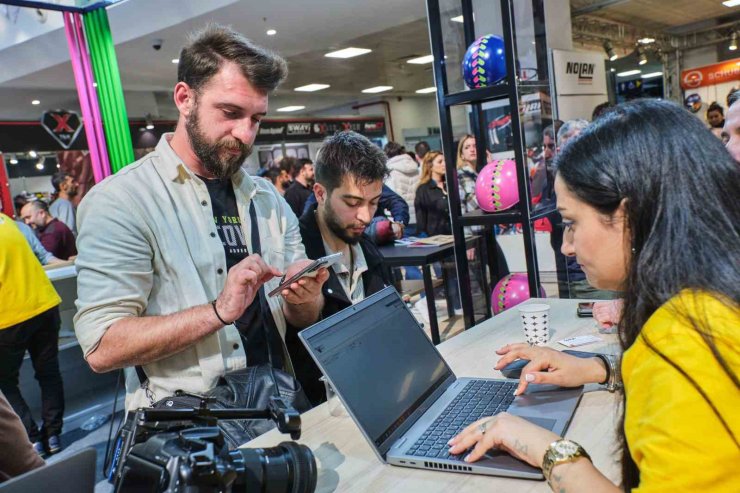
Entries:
{"x":566,"y":448}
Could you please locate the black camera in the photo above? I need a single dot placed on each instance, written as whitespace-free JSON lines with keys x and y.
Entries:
{"x":184,"y":451}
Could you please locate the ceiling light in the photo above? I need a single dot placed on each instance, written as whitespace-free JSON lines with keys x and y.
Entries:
{"x":610,"y":50}
{"x":373,"y":90}
{"x":271,"y":32}
{"x":149,"y":122}
{"x":95,"y":84}
{"x":628,"y":73}
{"x":459,"y":18}
{"x":733,"y":41}
{"x":612,"y":69}
{"x":312,"y":87}
{"x":13,"y":160}
{"x":651,"y":75}
{"x":175,"y":60}
{"x":59,"y":166}
{"x":421,"y":60}
{"x":731,"y":3}
{"x":35,"y":102}
{"x":291,"y":108}
{"x":40,"y":165}
{"x":646,"y":40}
{"x":641,"y":56}
{"x":32,"y":153}
{"x":426,"y":90}
{"x":348,"y":53}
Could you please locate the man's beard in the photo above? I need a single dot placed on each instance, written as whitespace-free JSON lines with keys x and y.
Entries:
{"x":340,"y":231}
{"x":210,"y":154}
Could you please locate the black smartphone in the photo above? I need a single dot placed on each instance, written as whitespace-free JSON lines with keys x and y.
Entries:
{"x":514,"y":369}
{"x":308,"y":271}
{"x":585,"y":309}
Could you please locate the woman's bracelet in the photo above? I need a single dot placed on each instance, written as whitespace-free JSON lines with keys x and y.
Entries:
{"x":613,"y":380}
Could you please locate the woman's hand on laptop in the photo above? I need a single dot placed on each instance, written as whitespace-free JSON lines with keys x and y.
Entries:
{"x":515,"y":435}
{"x":548,"y":366}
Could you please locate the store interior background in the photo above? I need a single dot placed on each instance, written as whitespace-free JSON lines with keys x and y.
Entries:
{"x":36,"y":76}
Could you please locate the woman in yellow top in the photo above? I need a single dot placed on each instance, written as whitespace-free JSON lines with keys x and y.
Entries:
{"x":649,"y":200}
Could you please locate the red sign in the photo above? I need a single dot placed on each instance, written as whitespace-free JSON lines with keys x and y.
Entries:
{"x":710,"y":75}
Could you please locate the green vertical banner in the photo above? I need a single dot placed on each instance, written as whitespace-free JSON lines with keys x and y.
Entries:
{"x":110,"y":90}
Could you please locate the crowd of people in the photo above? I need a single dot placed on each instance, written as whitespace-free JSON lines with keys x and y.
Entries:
{"x":173,"y":286}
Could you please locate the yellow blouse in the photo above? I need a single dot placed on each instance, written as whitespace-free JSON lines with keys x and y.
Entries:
{"x":675,"y":438}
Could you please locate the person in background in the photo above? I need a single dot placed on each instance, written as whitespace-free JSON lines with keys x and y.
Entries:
{"x":731,"y":130}
{"x":62,"y":208}
{"x":420,"y":150}
{"x":29,"y":321}
{"x":44,"y":256}
{"x":619,"y":185}
{"x":349,"y":177}
{"x":601,"y":109}
{"x":715,"y":118}
{"x":433,"y":209}
{"x":303,"y":177}
{"x":56,"y":237}
{"x":279,"y":178}
{"x":17,"y":455}
{"x":403,"y":175}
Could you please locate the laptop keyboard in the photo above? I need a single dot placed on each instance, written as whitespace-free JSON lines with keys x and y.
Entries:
{"x":477,"y":399}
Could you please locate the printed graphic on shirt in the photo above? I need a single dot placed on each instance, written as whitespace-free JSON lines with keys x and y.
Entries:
{"x":232,"y":236}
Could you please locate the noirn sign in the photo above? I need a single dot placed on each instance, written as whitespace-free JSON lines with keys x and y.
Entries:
{"x":584,"y":71}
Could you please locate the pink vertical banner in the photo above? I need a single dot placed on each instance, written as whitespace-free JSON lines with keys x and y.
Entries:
{"x":98,"y":154}
{"x":92,"y":95}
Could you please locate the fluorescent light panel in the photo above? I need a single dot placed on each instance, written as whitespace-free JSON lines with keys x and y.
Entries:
{"x":348,"y":53}
{"x":459,"y":18}
{"x":35,"y":102}
{"x":373,"y":90}
{"x":731,"y":3}
{"x":271,"y":32}
{"x":646,"y":41}
{"x":421,"y":60}
{"x":311,"y":87}
{"x":426,"y":90}
{"x":291,"y":108}
{"x":651,"y":75}
{"x":175,"y":60}
{"x":628,"y":73}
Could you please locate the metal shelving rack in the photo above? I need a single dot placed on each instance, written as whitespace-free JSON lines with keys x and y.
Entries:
{"x":508,"y":89}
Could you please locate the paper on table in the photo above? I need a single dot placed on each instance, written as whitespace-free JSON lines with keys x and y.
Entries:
{"x":579,"y":341}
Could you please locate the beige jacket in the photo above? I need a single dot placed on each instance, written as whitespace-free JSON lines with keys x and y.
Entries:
{"x":148,"y":246}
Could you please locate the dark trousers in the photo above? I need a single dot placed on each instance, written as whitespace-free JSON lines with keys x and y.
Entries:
{"x":40,"y":337}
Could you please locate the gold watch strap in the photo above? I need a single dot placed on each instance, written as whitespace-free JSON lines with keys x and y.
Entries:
{"x":552,"y":458}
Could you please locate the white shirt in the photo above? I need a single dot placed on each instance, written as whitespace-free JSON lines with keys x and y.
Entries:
{"x":148,"y":246}
{"x":351,"y":279}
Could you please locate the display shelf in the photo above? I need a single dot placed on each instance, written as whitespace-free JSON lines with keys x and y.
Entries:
{"x":481,"y":95}
{"x":510,"y":89}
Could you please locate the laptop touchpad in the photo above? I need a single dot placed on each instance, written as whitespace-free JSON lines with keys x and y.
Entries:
{"x":546,"y":423}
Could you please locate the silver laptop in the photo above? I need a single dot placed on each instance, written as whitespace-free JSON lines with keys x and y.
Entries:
{"x":406,"y":400}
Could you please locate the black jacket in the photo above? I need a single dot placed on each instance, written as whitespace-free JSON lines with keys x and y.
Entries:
{"x":374,"y":279}
{"x":432,"y":210}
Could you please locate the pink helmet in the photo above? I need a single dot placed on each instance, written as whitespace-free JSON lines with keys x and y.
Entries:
{"x":496,"y":187}
{"x":510,"y":291}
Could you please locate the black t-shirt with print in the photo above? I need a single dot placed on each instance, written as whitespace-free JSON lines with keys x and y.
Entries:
{"x":228,"y":224}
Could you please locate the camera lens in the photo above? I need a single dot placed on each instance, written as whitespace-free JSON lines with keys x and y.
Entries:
{"x":287,"y":468}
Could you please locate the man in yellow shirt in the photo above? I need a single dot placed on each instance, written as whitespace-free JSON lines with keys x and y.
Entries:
{"x":29,"y":321}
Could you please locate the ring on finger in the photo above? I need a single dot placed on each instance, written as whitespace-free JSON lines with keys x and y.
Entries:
{"x":482,"y":427}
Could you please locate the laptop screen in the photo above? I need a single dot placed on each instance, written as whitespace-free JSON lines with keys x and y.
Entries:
{"x":379,"y":360}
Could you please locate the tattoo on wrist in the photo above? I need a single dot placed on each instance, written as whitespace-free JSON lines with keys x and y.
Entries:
{"x":520,"y":447}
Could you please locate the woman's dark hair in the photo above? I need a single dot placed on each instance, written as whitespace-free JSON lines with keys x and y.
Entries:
{"x":349,"y":154}
{"x":679,"y":187}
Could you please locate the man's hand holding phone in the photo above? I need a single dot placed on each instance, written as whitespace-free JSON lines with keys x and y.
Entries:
{"x":306,"y":287}
{"x":243,"y":282}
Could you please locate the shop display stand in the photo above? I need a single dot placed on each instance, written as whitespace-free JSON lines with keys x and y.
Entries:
{"x":507,"y":89}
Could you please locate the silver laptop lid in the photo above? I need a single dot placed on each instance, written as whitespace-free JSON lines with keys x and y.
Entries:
{"x":381,"y":364}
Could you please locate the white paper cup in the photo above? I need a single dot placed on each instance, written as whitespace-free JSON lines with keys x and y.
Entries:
{"x":536,"y":323}
{"x":335,"y":406}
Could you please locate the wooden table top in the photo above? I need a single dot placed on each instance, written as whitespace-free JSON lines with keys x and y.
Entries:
{"x":347,"y":463}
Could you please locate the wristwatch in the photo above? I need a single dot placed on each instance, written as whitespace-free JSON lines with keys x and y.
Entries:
{"x":559,"y":452}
